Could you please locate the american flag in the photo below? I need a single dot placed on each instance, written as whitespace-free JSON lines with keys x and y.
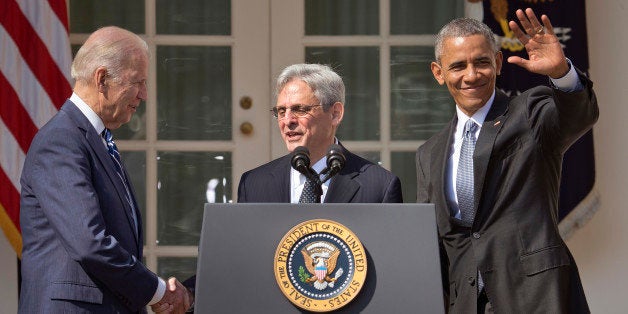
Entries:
{"x":35,"y":59}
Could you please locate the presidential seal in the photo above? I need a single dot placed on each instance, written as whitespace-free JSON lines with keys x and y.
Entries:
{"x":320,"y":265}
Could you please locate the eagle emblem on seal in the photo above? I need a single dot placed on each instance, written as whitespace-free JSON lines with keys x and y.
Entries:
{"x":320,"y":260}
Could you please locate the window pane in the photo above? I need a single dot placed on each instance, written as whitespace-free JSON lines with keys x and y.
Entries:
{"x":180,"y":267}
{"x":359,"y":69}
{"x":422,"y":17}
{"x":403,"y":165}
{"x":345,"y":17}
{"x":135,"y":165}
{"x":194,"y":17}
{"x":88,"y":16}
{"x":194,"y":93}
{"x":136,"y":128}
{"x":185,"y":182}
{"x":419,"y":106}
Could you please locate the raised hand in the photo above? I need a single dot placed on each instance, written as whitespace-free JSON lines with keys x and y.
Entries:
{"x":176,"y":299}
{"x":545,"y":53}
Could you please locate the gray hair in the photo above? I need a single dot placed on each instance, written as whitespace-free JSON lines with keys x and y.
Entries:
{"x":463,"y":27}
{"x":111,"y":47}
{"x":327,"y":85}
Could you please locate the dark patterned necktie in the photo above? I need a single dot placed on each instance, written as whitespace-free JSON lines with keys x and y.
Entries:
{"x":114,"y":153}
{"x":310,"y":192}
{"x":464,"y":177}
{"x":117,"y":162}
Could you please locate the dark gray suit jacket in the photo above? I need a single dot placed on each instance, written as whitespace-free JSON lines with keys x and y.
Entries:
{"x":514,"y":240}
{"x":80,"y":252}
{"x":360,"y":181}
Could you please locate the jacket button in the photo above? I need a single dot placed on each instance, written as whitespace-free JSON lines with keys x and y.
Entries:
{"x":471,"y":281}
{"x":476,"y":235}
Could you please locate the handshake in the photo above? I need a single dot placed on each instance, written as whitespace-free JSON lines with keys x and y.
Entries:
{"x":176,"y":299}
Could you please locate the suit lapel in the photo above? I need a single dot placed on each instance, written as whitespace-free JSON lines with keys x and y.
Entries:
{"x":493,"y":123}
{"x":439,"y":156}
{"x":342,"y":187}
{"x":97,"y":145}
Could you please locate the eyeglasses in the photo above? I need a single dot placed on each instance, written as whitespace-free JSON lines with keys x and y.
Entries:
{"x":297,"y":110}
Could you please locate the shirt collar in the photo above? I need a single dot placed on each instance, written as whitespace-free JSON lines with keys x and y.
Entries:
{"x":479,"y":116}
{"x":89,"y":113}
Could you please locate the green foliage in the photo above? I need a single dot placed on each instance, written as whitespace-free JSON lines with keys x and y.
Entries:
{"x":303,"y":275}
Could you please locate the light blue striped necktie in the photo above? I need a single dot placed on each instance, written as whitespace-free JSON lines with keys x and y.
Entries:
{"x":117,"y":161}
{"x":465,"y":181}
{"x":464,"y":177}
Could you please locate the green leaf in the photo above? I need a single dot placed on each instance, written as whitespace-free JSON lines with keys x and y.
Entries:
{"x":303,"y":276}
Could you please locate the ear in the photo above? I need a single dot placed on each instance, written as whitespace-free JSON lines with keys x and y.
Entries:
{"x":100,"y":79}
{"x":437,"y":71}
{"x":337,"y":111}
{"x":499,"y":59}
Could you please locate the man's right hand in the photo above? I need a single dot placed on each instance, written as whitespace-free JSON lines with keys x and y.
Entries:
{"x":176,"y":299}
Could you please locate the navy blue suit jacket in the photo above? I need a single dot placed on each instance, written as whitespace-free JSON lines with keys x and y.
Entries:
{"x":81,"y":252}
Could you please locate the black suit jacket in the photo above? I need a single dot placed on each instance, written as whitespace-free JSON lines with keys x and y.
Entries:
{"x":360,"y":181}
{"x":514,"y":241}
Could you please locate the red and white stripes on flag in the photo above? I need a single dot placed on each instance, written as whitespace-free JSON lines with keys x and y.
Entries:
{"x":35,"y":61}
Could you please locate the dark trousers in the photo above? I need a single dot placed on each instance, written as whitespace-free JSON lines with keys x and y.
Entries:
{"x":484,"y":306}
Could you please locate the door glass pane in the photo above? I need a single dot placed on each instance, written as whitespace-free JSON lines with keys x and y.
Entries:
{"x":88,"y":16}
{"x":409,"y":17}
{"x":180,"y":267}
{"x":419,"y":106}
{"x":193,"y":93}
{"x":404,"y":167}
{"x":346,"y":17}
{"x":135,"y":164}
{"x":185,"y":182}
{"x":194,"y":17}
{"x":135,"y":129}
{"x":359,"y":69}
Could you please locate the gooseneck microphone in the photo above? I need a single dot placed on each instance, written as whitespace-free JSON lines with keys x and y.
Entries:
{"x":335,"y":161}
{"x":301,"y":160}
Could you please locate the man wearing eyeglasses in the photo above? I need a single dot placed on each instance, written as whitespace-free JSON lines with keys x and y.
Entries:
{"x":309,"y":109}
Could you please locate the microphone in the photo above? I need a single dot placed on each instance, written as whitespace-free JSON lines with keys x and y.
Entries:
{"x":335,"y":161}
{"x":301,"y":160}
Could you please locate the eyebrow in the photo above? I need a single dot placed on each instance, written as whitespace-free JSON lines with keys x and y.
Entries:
{"x":460,"y":63}
{"x":294,"y":105}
